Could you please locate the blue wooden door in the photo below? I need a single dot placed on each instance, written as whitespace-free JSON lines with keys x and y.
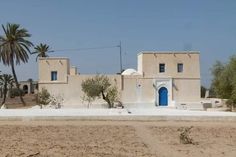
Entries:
{"x":163,"y":96}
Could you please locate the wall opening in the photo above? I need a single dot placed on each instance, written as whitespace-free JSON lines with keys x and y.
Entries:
{"x":25,"y":89}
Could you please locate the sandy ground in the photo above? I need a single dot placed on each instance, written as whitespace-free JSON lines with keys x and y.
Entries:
{"x":13,"y":103}
{"x":115,"y":138}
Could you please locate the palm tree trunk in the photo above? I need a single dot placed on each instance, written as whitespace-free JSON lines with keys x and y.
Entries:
{"x":16,"y":81}
{"x":4,"y":94}
{"x":1,"y":92}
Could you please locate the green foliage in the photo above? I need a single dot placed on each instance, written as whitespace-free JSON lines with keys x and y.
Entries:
{"x":224,"y":81}
{"x":16,"y":92}
{"x":212,"y":93}
{"x":41,"y":50}
{"x":6,"y":83}
{"x":6,"y":80}
{"x":112,"y":94}
{"x":97,"y":87}
{"x":43,"y":97}
{"x":14,"y":45}
{"x":203,"y":91}
{"x":14,"y":48}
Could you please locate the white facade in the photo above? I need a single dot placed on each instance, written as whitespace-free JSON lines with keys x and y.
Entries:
{"x":168,"y":79}
{"x":166,"y":83}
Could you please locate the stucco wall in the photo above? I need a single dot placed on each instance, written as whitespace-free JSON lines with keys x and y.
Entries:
{"x":73,"y":71}
{"x":135,"y":89}
{"x":150,"y":64}
{"x":46,"y":66}
{"x":186,"y":90}
{"x":72,"y":91}
{"x":182,"y":87}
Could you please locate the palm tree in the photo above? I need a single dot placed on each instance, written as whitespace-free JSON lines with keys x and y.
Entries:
{"x":41,"y":50}
{"x":0,"y":86}
{"x":6,"y":81}
{"x":14,"y":48}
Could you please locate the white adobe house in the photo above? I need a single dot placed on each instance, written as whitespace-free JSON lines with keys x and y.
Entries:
{"x":29,"y":86}
{"x":168,"y":79}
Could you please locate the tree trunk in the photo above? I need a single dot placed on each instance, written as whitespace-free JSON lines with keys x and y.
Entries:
{"x":4,"y":94}
{"x":16,"y":81}
{"x":106,"y":99}
{"x":1,"y":92}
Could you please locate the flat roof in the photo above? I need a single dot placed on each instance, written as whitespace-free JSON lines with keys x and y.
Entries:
{"x":168,"y":52}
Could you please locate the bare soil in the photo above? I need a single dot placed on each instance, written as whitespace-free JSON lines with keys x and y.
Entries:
{"x":115,"y":139}
{"x":15,"y":103}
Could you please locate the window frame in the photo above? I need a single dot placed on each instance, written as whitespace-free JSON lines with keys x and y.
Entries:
{"x":162,"y":67}
{"x":53,"y":75}
{"x":180,"y":67}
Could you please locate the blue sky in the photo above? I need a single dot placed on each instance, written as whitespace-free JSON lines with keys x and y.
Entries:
{"x":208,"y":26}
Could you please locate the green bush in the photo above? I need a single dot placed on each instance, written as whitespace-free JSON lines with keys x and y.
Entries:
{"x":99,"y":87}
{"x":16,"y":92}
{"x":224,"y":81}
{"x":43,"y":97}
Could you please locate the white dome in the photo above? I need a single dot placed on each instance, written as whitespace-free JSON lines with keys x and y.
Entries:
{"x":130,"y":72}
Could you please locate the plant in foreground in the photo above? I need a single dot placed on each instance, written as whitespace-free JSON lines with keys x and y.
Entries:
{"x":185,"y":135}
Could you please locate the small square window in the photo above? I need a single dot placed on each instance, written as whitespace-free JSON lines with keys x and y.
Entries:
{"x":162,"y":68}
{"x":53,"y":75}
{"x":180,"y":67}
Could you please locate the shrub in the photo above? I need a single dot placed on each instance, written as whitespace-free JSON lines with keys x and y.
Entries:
{"x":112,"y":94}
{"x":99,"y":87}
{"x":185,"y":135}
{"x":16,"y":92}
{"x":56,"y":101}
{"x":224,"y":82}
{"x":43,"y":98}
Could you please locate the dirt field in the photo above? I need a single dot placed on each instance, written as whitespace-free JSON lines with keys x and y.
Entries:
{"x":15,"y":103}
{"x":115,"y":138}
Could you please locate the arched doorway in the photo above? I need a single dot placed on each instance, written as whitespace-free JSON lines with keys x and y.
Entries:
{"x":163,"y":96}
{"x":25,"y":89}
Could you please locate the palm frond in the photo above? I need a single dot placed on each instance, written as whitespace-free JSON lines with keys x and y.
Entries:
{"x":41,"y":50}
{"x":14,"y":44}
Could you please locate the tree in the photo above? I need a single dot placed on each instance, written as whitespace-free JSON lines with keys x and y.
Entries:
{"x":14,"y":48}
{"x":43,"y":98}
{"x":41,"y":50}
{"x":14,"y":92}
{"x":6,"y":82}
{"x":203,"y":91}
{"x":217,"y":71}
{"x":0,"y":86}
{"x":98,"y":87}
{"x":224,"y":81}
